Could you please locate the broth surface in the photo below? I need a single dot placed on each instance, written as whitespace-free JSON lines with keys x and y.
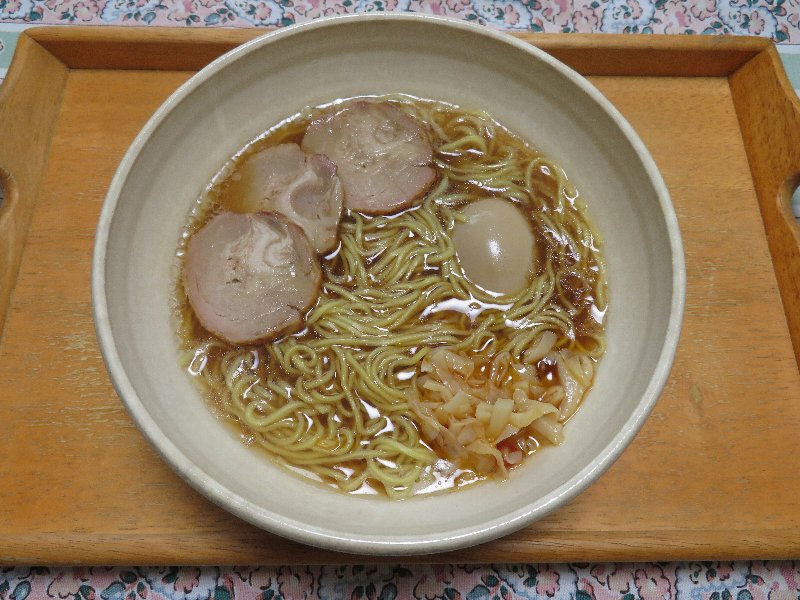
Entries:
{"x":357,"y":398}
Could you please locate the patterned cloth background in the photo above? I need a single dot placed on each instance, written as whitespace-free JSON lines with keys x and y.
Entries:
{"x":771,"y":580}
{"x":684,"y":581}
{"x":778,"y":19}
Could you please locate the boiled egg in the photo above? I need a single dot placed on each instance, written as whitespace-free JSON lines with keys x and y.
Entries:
{"x":495,"y":246}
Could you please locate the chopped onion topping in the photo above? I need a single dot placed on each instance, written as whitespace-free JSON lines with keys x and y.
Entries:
{"x":468,"y":406}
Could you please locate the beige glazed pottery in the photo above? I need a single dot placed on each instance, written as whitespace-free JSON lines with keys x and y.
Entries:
{"x":264,"y":81}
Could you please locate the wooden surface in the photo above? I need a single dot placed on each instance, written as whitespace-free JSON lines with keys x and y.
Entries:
{"x":592,"y":54}
{"x":769,"y":115}
{"x":28,"y":110}
{"x":712,"y":474}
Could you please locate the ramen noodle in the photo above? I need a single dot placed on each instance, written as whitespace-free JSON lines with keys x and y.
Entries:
{"x":406,"y":376}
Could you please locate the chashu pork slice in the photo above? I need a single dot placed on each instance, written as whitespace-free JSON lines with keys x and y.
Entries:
{"x":284,"y":179}
{"x":383,"y":156}
{"x":251,"y":277}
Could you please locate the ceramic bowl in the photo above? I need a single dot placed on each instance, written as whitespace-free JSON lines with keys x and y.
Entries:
{"x":260,"y":83}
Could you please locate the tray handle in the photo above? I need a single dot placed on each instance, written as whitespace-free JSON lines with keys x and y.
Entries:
{"x":29,"y":103}
{"x":768,"y":110}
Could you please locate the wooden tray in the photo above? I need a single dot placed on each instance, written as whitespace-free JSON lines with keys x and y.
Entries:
{"x":713,"y":473}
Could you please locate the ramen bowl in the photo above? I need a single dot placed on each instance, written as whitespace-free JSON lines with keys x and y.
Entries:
{"x":231,"y":102}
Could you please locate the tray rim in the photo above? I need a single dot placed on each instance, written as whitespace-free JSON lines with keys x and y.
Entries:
{"x":721,"y":54}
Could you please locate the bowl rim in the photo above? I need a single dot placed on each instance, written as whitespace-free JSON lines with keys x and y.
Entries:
{"x":332,"y":539}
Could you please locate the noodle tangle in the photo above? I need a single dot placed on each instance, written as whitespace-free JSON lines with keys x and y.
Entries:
{"x":402,"y":356}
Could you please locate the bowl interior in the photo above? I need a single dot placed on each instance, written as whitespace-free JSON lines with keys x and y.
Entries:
{"x":259,"y":84}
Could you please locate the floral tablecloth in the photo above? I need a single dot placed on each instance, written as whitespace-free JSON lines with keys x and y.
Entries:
{"x":771,"y":580}
{"x":651,"y":581}
{"x":774,"y":18}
